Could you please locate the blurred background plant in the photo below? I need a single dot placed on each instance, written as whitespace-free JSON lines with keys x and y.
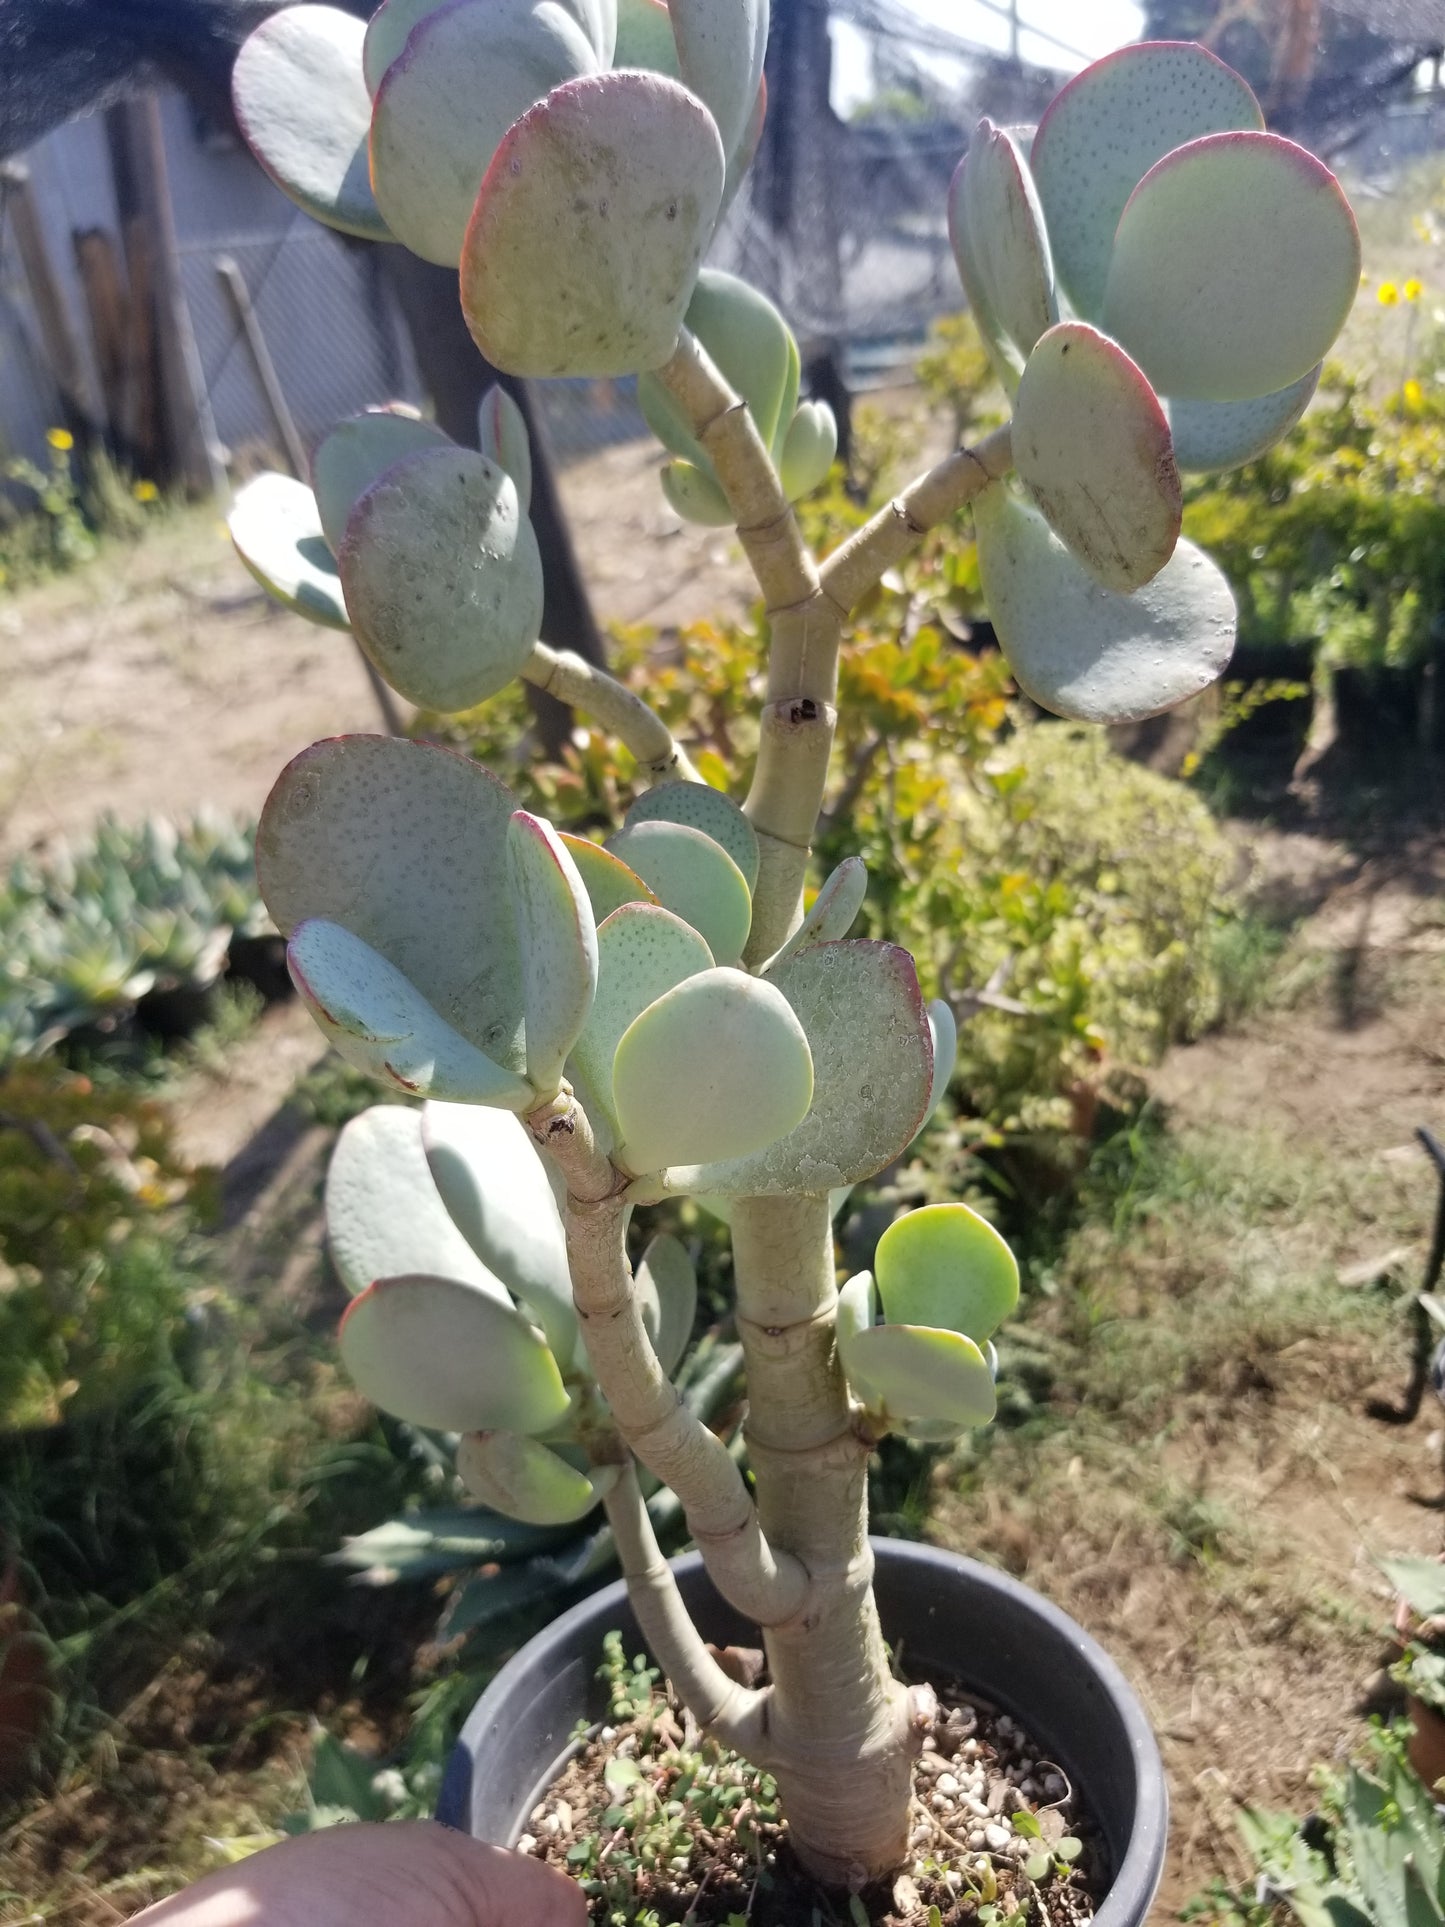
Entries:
{"x":67,"y":509}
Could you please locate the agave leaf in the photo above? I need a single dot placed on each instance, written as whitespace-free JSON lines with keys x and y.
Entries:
{"x":642,"y":952}
{"x":696,"y":495}
{"x":810,"y":449}
{"x":1103,"y":132}
{"x":442,"y":1354}
{"x":276,"y":527}
{"x":1091,"y":445}
{"x":355,"y":453}
{"x":944,"y":1265}
{"x":1235,"y":264}
{"x":1211,"y":435}
{"x":834,"y":911}
{"x":443,"y":577}
{"x":1084,"y":651}
{"x":383,"y":1213}
{"x":495,"y":1188}
{"x":644,"y":38}
{"x":694,"y":877}
{"x":857,"y":1305}
{"x":609,"y":882}
{"x":466,"y":73}
{"x":590,"y":228}
{"x":302,"y":105}
{"x":528,"y":1481}
{"x":860,"y":1008}
{"x":380,"y":1022}
{"x":559,"y":946}
{"x":666,"y":1287}
{"x":909,"y":1372}
{"x":1002,"y":249}
{"x":720,"y":56}
{"x":502,"y":437}
{"x":705,"y":809}
{"x":716,"y":1068}
{"x":405,"y":846}
{"x":944,"y":1030}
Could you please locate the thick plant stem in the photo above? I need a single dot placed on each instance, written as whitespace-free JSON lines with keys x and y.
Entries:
{"x":732,"y":1713}
{"x":844,"y":1732}
{"x":636,"y":726}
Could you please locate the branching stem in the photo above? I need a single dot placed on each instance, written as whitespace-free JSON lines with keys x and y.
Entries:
{"x":632,"y":721}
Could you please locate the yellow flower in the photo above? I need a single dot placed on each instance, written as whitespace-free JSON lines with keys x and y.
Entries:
{"x":1412,"y":289}
{"x":1412,"y":393}
{"x":145,"y":491}
{"x":60,"y":439}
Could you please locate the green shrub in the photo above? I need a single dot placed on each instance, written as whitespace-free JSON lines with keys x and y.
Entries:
{"x":64,"y":510}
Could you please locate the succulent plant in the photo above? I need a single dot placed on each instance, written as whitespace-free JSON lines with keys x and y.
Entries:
{"x":598,"y":1027}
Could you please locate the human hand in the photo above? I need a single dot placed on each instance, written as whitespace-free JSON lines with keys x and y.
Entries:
{"x":403,"y":1874}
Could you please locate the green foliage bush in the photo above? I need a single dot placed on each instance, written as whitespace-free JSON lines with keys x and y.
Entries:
{"x":65,"y":509}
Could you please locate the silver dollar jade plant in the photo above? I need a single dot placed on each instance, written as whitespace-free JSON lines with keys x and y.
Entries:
{"x":598,"y":1028}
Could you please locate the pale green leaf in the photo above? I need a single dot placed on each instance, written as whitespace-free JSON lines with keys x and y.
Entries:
{"x":609,"y":882}
{"x":720,"y":56}
{"x":696,"y":495}
{"x":665,"y":1284}
{"x":1211,"y":435}
{"x":834,"y":910}
{"x":943,"y":1027}
{"x":909,"y":1372}
{"x":705,"y":809}
{"x":695,"y":878}
{"x":716,"y":1068}
{"x":526,"y":1480}
{"x":857,"y":1305}
{"x":503,"y":438}
{"x":944,"y":1265}
{"x":358,"y":451}
{"x":440,"y":1353}
{"x":1002,"y":249}
{"x":809,"y":450}
{"x":590,"y":228}
{"x":644,"y":38}
{"x":276,"y":527}
{"x":558,"y":940}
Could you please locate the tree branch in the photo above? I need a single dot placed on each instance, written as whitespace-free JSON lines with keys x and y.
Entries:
{"x":632,"y":721}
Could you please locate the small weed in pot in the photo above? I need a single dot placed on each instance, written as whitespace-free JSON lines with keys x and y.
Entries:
{"x":598,"y":1029}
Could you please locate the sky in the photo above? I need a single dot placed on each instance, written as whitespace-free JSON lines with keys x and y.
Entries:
{"x":1092,"y":29}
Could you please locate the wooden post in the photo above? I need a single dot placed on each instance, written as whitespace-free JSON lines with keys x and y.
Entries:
{"x":108,"y":304}
{"x":58,"y":341}
{"x":235,"y":286}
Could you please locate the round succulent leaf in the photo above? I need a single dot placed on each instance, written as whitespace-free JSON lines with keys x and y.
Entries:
{"x":705,"y":809}
{"x":810,"y":449}
{"x":1210,"y":435}
{"x":1091,"y":444}
{"x":499,"y":1201}
{"x":748,"y":340}
{"x":833,"y":911}
{"x":643,"y":951}
{"x":945,"y":1265}
{"x":525,"y":1480}
{"x":910,"y":1372}
{"x":503,"y":438}
{"x":788,"y":407}
{"x":644,"y":38}
{"x":857,"y":1305}
{"x":608,"y":881}
{"x":301,"y":103}
{"x":440,"y":1353}
{"x":383,"y":1212}
{"x":590,"y":228}
{"x":671,"y":427}
{"x":380,"y":1022}
{"x":666,"y":1287}
{"x":720,"y":57}
{"x":1106,"y":128}
{"x":404,"y":845}
{"x":943,"y":1028}
{"x":692,"y":875}
{"x":1002,"y":248}
{"x":861,"y":1010}
{"x":716,"y":1068}
{"x":466,"y":73}
{"x":746,"y":151}
{"x":355,"y":453}
{"x":558,"y":939}
{"x":696,"y":495}
{"x":387,"y":33}
{"x":1084,"y":651}
{"x":443,"y":577}
{"x":276,"y":527}
{"x":1235,"y":264}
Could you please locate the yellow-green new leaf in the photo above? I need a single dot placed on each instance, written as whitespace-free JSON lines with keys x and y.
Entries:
{"x":696,"y":495}
{"x":301,"y":101}
{"x":356,"y":453}
{"x":381,"y":1023}
{"x":705,"y":809}
{"x":609,"y":882}
{"x":809,"y":450}
{"x":857,"y":1306}
{"x":276,"y":527}
{"x":1091,"y":444}
{"x":523,"y":1479}
{"x":694,"y":877}
{"x":944,"y":1265}
{"x":440,"y":1353}
{"x":717,"y":1068}
{"x":558,"y":941}
{"x":909,"y":1372}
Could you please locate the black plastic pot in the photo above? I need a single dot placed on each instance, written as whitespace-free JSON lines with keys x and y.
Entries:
{"x":953,"y":1619}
